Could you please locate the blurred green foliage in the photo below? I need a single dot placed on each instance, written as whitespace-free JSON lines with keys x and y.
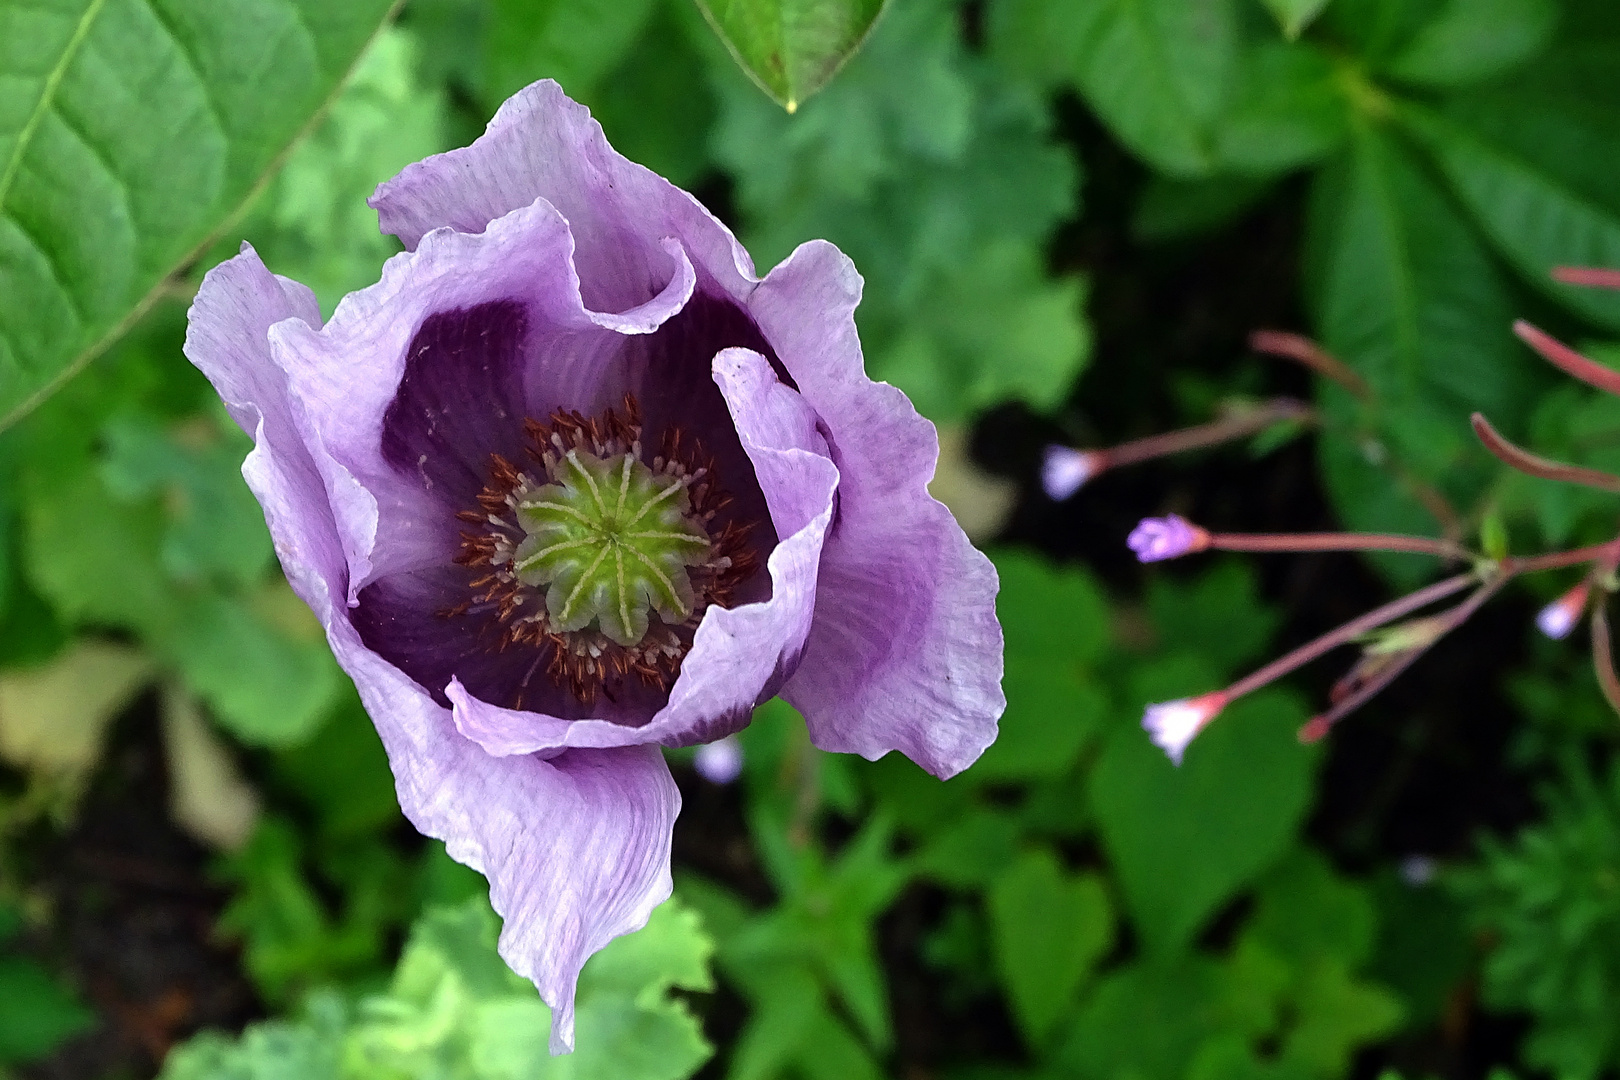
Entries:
{"x":1119,"y":918}
{"x":1551,"y":898}
{"x":452,"y":1011}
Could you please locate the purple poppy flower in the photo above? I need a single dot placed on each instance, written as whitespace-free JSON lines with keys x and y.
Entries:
{"x":571,"y":483}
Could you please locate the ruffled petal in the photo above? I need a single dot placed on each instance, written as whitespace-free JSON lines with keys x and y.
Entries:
{"x":576,"y":848}
{"x":742,"y":655}
{"x":541,"y":145}
{"x":905,"y":652}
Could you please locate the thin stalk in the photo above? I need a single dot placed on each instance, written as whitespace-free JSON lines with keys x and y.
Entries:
{"x":1302,"y":542}
{"x":1567,"y":360}
{"x":1211,"y":434}
{"x":1603,"y":655}
{"x":1351,"y":630}
{"x":1537,"y":466}
{"x":1302,"y":349}
{"x":1598,"y":277}
{"x":1450,"y":621}
{"x":1606,"y":553}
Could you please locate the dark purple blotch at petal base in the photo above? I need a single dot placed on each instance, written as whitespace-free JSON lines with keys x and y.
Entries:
{"x":460,"y":400}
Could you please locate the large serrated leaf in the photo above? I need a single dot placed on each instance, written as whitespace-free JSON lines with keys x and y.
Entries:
{"x":1159,"y":74}
{"x":791,"y":47}
{"x":129,"y":131}
{"x":1533,"y":159}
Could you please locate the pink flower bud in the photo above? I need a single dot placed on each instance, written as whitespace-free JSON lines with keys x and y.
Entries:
{"x":1157,"y":539}
{"x":1172,"y":724}
{"x":1557,"y":619}
{"x":1064,"y":470}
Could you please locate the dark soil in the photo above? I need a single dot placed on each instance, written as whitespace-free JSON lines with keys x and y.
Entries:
{"x":133,"y":915}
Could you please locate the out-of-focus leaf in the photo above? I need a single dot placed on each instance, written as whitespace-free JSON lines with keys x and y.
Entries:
{"x":657,"y":106}
{"x":1145,"y":1020}
{"x":131,"y":131}
{"x":995,"y":330}
{"x":106,"y":572}
{"x":1181,"y":209}
{"x":1288,"y":111}
{"x":208,"y":796}
{"x":267,"y":682}
{"x":215,"y":525}
{"x":342,"y":772}
{"x":1472,"y":40}
{"x":1533,"y":160}
{"x":1184,"y":840}
{"x":312,"y":223}
{"x":576,"y":42}
{"x":1377,"y":30}
{"x":39,"y":1012}
{"x":292,"y":939}
{"x":1295,"y":15}
{"x":1056,"y":622}
{"x":1159,"y":73}
{"x":1305,"y":911}
{"x":791,"y":47}
{"x":52,"y":718}
{"x":1220,"y":617}
{"x":1404,"y":293}
{"x":1049,"y":929}
{"x":1036,"y":40}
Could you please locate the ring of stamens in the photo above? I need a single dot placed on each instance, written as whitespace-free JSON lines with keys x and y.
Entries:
{"x":601,"y":563}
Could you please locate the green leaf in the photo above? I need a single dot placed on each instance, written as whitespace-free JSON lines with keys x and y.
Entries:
{"x":1056,"y":622}
{"x":269,"y":677}
{"x":131,"y":132}
{"x":1295,"y":15}
{"x":1159,"y":74}
{"x":1185,"y":840}
{"x":997,"y":330}
{"x":576,"y":42}
{"x":216,"y":527}
{"x":1219,"y":617}
{"x":1288,"y":111}
{"x":312,"y":223}
{"x":1182,"y":209}
{"x":1145,"y":1020}
{"x":1472,"y":40}
{"x":1305,"y":911}
{"x":1049,"y":929}
{"x":1527,"y":161}
{"x":1404,"y":293}
{"x":39,"y":1013}
{"x":342,"y":772}
{"x":791,"y":47}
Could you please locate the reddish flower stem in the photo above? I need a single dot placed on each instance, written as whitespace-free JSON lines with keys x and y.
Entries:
{"x":1535,"y":465}
{"x":1450,"y":621}
{"x":1608,"y":554}
{"x":1567,"y":360}
{"x":1587,"y":275}
{"x":1300,"y":348}
{"x":1421,"y":545}
{"x":1372,"y":620}
{"x":1603,"y":655}
{"x":1212,"y":434}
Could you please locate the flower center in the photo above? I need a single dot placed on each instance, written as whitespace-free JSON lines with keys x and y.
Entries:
{"x":610,"y":541}
{"x":599,"y":561}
